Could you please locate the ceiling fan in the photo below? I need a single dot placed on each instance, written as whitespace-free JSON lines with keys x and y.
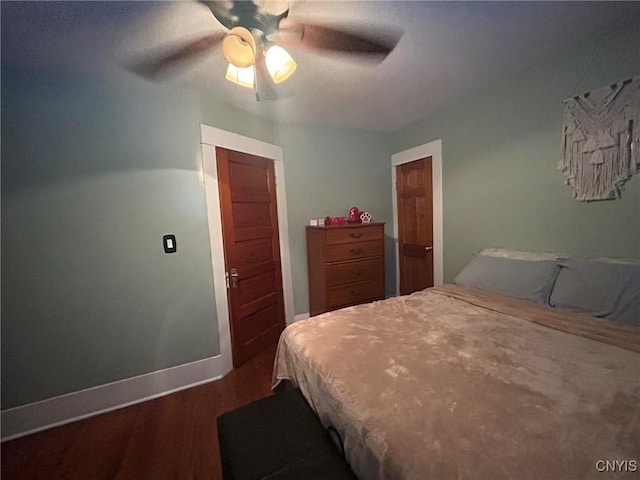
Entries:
{"x":254,"y":44}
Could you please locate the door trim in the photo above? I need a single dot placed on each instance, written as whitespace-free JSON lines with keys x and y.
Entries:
{"x":211,"y":138}
{"x":434,"y":150}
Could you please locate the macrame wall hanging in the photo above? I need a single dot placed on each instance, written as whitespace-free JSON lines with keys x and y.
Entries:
{"x":601,"y":140}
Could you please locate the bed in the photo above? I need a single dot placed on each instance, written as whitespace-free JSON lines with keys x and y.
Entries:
{"x":501,"y":375}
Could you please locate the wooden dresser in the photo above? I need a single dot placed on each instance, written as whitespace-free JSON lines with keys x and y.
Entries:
{"x":346,"y":265}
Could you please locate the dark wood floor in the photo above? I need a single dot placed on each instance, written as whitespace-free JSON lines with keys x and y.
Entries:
{"x":172,"y":437}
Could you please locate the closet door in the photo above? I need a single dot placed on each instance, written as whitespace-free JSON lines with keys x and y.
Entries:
{"x":415,"y":225}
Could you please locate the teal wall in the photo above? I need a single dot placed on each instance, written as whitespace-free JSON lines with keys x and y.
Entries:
{"x":94,"y":172}
{"x":500,"y":151}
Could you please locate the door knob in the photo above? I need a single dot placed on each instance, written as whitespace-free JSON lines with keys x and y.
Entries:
{"x":428,"y":249}
{"x":232,"y":278}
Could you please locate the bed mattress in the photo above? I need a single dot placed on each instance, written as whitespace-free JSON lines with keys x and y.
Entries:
{"x":453,"y":382}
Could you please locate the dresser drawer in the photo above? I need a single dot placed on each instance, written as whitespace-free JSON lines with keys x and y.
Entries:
{"x":355,"y":293}
{"x":350,"y":272}
{"x":354,"y":251}
{"x":354,"y":234}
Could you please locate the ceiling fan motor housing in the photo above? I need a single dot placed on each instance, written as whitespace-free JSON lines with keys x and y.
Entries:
{"x":263,"y":15}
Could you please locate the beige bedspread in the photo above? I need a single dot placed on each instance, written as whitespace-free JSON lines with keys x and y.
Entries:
{"x":455,"y":383}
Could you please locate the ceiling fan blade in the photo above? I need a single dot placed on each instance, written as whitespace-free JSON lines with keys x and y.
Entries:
{"x":221,"y":10}
{"x":326,"y":38}
{"x":152,"y":68}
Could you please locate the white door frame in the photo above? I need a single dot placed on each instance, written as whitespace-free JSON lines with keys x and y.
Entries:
{"x":210,"y":139}
{"x":434,"y":150}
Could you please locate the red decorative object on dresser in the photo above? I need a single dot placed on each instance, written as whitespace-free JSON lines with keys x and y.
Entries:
{"x":354,"y":215}
{"x":346,"y":265}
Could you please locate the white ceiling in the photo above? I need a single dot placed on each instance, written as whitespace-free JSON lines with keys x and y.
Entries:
{"x":447,"y":50}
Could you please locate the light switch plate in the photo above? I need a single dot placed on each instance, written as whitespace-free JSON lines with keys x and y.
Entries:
{"x":169,"y":243}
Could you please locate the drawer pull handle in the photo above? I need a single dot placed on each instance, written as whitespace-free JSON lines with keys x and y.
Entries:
{"x":356,"y":251}
{"x":355,"y":235}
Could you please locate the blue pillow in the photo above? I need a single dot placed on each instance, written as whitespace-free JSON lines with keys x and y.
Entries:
{"x":526,"y":279}
{"x":599,"y":288}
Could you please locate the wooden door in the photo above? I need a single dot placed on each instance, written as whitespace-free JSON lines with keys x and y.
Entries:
{"x":415,"y":225}
{"x":251,"y":251}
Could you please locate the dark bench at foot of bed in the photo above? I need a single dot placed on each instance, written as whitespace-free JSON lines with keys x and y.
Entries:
{"x":278,"y":437}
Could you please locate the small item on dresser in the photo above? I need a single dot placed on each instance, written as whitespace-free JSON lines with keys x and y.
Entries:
{"x":313,"y":222}
{"x":365,"y":217}
{"x":338,"y":221}
{"x":354,"y":215}
{"x":327,"y":221}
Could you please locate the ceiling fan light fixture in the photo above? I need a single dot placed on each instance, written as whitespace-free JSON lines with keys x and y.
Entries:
{"x":241,"y":76}
{"x":279,"y":63}
{"x":239,"y":47}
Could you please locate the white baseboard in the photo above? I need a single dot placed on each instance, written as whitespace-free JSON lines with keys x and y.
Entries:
{"x":52,"y":412}
{"x":301,"y":316}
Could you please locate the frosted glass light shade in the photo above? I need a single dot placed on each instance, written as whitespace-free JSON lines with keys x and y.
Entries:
{"x":239,"y":47}
{"x":279,"y":63}
{"x":242,"y":76}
